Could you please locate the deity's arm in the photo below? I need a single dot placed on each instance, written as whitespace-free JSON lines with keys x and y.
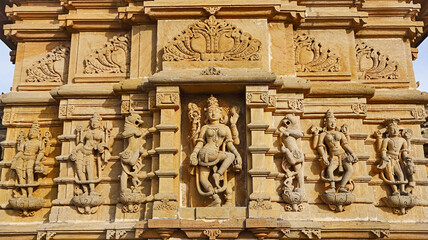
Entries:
{"x":345,"y":145}
{"x":384,"y":149}
{"x":405,"y":151}
{"x":235,"y":134}
{"x":321,"y":148}
{"x":41,"y":153}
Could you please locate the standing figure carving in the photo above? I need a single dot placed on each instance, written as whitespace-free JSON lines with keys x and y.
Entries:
{"x":337,"y":158}
{"x":396,"y":166}
{"x":26,"y":164}
{"x":292,"y":163}
{"x":131,"y":160}
{"x":214,"y":151}
{"x":92,"y":152}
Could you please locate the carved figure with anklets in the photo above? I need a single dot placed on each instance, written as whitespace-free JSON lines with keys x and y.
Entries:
{"x":214,"y":151}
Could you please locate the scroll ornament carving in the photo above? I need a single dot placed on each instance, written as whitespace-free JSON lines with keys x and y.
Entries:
{"x":337,"y":158}
{"x":292,"y":163}
{"x":132,"y":163}
{"x":212,"y":234}
{"x":112,"y":58}
{"x":44,"y":70}
{"x":419,"y":113}
{"x":359,"y":108}
{"x":296,"y":104}
{"x":374,"y":65}
{"x":214,"y":150}
{"x":260,"y":204}
{"x":165,"y":204}
{"x":396,"y":166}
{"x":26,"y":165}
{"x":91,"y":154}
{"x":311,"y":56}
{"x":211,"y":71}
{"x":212,"y":40}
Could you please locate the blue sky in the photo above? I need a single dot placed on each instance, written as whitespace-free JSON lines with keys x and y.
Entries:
{"x":7,"y":68}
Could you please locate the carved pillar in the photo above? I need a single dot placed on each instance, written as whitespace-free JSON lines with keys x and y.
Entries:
{"x":257,"y":99}
{"x":168,"y":103}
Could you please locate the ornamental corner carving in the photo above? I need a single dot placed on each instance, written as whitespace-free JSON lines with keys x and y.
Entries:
{"x":132,"y":162}
{"x":90,"y":156}
{"x":374,"y":65}
{"x":292,"y":163}
{"x":113,"y":57}
{"x":26,"y":166}
{"x":214,"y":151}
{"x":396,"y":166}
{"x":337,"y":159}
{"x":312,"y":56}
{"x":212,"y":40}
{"x":45,"y":70}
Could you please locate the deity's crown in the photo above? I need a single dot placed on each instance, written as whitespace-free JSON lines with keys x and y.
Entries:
{"x":35,"y":126}
{"x":329,"y":114}
{"x":96,"y":116}
{"x":391,"y":121}
{"x":212,"y":102}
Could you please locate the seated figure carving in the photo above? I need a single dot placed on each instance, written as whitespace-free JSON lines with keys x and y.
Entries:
{"x":214,"y":151}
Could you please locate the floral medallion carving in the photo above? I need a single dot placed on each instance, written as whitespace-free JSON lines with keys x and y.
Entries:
{"x":45,"y":69}
{"x":374,"y":65}
{"x":212,"y":40}
{"x":312,"y":56}
{"x":113,"y":57}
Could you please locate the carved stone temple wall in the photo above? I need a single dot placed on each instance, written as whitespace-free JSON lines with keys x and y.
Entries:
{"x":192,"y":119}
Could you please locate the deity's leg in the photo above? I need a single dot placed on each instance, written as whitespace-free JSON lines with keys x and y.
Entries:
{"x":123,"y":181}
{"x":330,"y":172}
{"x":400,"y":175}
{"x":90,"y":170}
{"x":346,"y":176}
{"x":204,"y":173}
{"x":81,"y":174}
{"x":300,"y":176}
{"x":228,"y":160}
{"x":389,"y":172}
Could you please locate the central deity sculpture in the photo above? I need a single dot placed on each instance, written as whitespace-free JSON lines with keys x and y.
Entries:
{"x":337,"y":157}
{"x":214,"y":151}
{"x":90,"y":156}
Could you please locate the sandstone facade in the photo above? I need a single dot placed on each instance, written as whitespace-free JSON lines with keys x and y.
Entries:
{"x":244,"y":119}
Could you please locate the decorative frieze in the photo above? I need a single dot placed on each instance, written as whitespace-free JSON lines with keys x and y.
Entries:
{"x":113,"y":57}
{"x":312,"y":56}
{"x":45,"y":70}
{"x":212,"y":40}
{"x":372,"y":64}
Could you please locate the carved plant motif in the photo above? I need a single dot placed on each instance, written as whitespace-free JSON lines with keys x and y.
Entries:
{"x":359,"y":108}
{"x":311,"y":56}
{"x":374,"y":65}
{"x":44,"y":69}
{"x":260,"y":204}
{"x":296,"y":104}
{"x":212,"y":40}
{"x":166,"y":204}
{"x":112,"y":58}
{"x":419,"y":113}
{"x":212,"y":234}
{"x":211,"y":71}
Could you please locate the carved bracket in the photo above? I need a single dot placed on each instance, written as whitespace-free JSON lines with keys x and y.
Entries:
{"x":45,"y":235}
{"x":115,"y":234}
{"x":381,"y":233}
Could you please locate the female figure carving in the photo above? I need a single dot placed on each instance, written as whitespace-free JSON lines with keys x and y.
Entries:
{"x":215,"y":151}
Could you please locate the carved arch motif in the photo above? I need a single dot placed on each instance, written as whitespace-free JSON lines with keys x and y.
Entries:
{"x":113,"y":57}
{"x":311,"y":56}
{"x":374,"y":65}
{"x":44,"y":69}
{"x":212,"y":40}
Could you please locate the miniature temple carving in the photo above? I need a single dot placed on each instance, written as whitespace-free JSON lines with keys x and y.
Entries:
{"x":292,"y":163}
{"x":396,"y":166}
{"x":311,"y":56}
{"x":92,"y":152}
{"x":26,"y":165}
{"x":112,"y":58}
{"x":337,"y":158}
{"x":221,"y":41}
{"x":132,"y":163}
{"x":374,"y":65}
{"x":214,"y":149}
{"x":45,"y":70}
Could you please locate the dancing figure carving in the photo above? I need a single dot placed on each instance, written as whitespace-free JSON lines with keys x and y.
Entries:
{"x":396,"y":166}
{"x":214,"y":151}
{"x":337,"y":158}
{"x":92,"y":152}
{"x":27,"y":165}
{"x":292,"y":163}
